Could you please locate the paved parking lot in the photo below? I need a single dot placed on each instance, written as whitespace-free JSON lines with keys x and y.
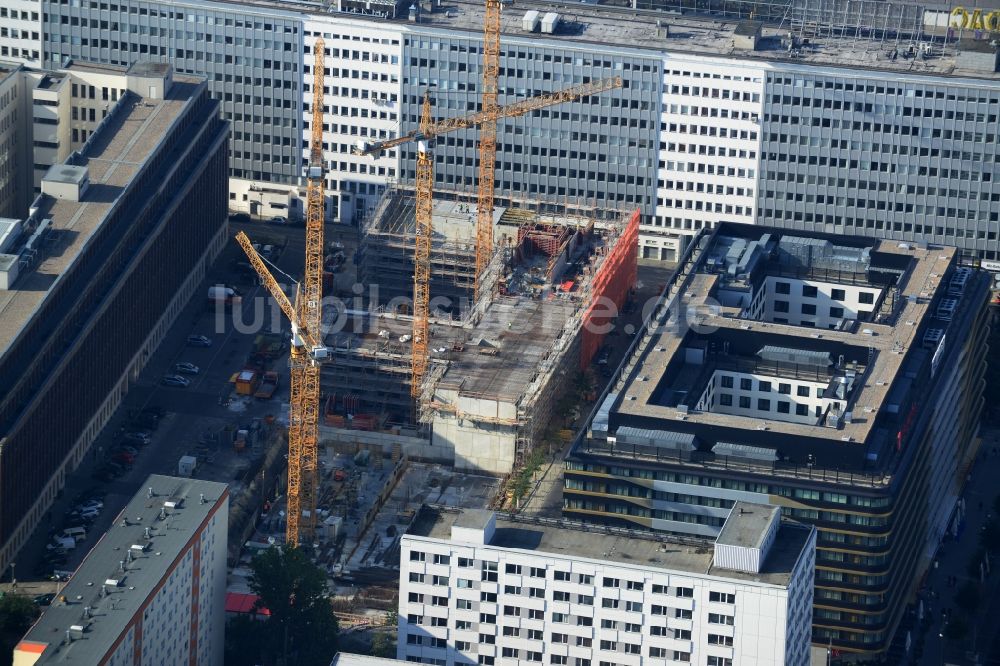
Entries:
{"x":190,"y":412}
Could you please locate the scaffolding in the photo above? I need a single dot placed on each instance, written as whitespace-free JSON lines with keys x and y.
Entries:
{"x":498,"y":365}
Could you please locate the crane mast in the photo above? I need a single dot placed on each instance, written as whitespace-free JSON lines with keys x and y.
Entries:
{"x":303,"y":422}
{"x":422,"y":256}
{"x":308,"y":350}
{"x":487,"y":141}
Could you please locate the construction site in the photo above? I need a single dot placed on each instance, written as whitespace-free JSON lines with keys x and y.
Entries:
{"x":497,"y":365}
{"x":509,"y":305}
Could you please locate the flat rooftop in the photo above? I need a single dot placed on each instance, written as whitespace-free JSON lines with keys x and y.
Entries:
{"x":888,"y":345}
{"x":601,"y":25}
{"x":868,"y":380}
{"x":608,"y":544}
{"x":350,"y":659}
{"x":113,"y":156}
{"x":607,"y":26}
{"x":113,"y":607}
{"x":747,"y":524}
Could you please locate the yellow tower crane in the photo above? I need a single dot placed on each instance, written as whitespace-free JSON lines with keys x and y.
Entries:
{"x":487,"y":142}
{"x":513,"y":110}
{"x":422,"y":256}
{"x":308,"y":350}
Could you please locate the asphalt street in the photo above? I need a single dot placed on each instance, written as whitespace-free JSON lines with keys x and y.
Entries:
{"x":192,"y":411}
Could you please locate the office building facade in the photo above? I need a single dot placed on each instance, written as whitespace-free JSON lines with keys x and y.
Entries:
{"x":480,"y":588}
{"x":92,"y":283}
{"x":723,"y":125}
{"x":152,"y":591}
{"x":838,"y":377}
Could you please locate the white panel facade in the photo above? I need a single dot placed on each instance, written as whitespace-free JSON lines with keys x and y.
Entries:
{"x":21,"y":30}
{"x":362,"y":81}
{"x":709,"y":150}
{"x":467,"y":604}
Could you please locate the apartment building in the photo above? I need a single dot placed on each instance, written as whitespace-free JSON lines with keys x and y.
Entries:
{"x":152,"y":591}
{"x":91,"y":283}
{"x":837,"y":377}
{"x":721,"y":119}
{"x":481,"y":588}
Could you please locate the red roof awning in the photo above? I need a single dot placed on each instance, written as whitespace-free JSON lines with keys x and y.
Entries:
{"x":237,"y":602}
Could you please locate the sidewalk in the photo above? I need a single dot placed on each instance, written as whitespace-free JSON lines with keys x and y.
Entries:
{"x":953,"y":562}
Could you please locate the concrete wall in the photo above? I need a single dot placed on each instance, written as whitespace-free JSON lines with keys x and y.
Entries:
{"x":477,"y":447}
{"x":415,"y":448}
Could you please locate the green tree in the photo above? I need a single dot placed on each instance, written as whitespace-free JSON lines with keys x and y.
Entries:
{"x":382,"y":645}
{"x":967,"y":598}
{"x":17,"y":614}
{"x":301,"y":628}
{"x":244,"y":646}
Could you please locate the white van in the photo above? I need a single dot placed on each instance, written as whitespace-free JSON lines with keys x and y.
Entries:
{"x":77,"y":533}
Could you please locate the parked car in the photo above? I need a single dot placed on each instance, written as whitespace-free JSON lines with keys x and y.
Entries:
{"x":138,"y":436}
{"x":90,"y":505}
{"x":186,"y":368}
{"x":128,"y":449}
{"x":239,"y":217}
{"x":279,"y":220}
{"x":175,"y":380}
{"x":198,"y":341}
{"x":123,"y":457}
{"x":44,"y":599}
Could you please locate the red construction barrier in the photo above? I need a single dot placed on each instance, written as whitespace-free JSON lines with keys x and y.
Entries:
{"x":611,"y":285}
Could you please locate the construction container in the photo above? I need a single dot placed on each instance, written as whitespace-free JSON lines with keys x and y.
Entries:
{"x":186,"y":466}
{"x":530,"y":21}
{"x":246,"y":382}
{"x":550,"y":22}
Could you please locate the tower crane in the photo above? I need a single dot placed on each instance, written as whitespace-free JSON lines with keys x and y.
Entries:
{"x":422,"y":255}
{"x":308,"y":351}
{"x":487,"y":141}
{"x":513,"y":110}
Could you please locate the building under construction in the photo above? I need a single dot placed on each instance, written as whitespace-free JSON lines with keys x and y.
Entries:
{"x":499,"y":365}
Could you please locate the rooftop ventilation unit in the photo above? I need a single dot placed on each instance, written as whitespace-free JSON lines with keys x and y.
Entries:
{"x":946,"y":308}
{"x":932,"y":337}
